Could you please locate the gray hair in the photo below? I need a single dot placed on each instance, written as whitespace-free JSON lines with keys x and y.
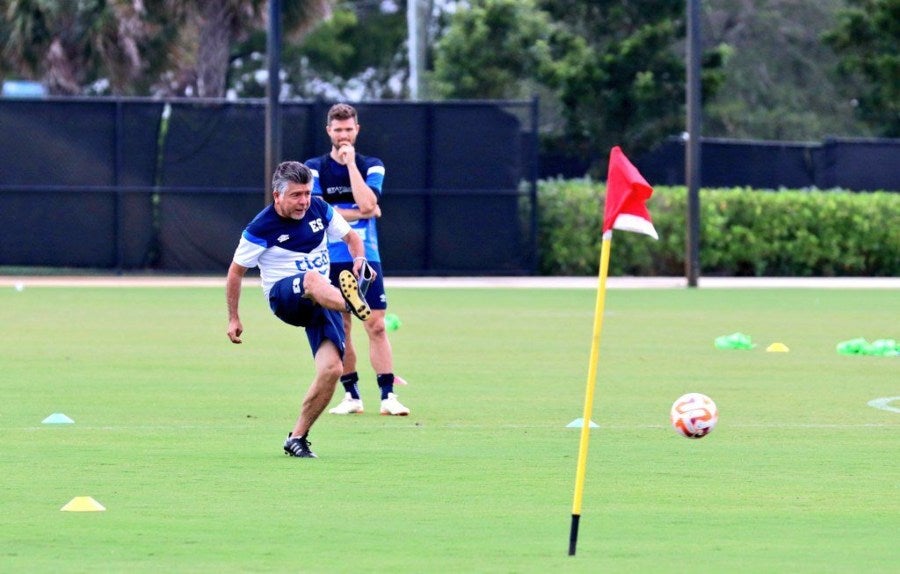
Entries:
{"x":289,"y":172}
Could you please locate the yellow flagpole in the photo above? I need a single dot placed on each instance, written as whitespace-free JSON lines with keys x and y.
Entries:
{"x":589,"y":392}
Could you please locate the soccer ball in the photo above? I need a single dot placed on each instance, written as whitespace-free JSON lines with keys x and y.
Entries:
{"x":694,"y":415}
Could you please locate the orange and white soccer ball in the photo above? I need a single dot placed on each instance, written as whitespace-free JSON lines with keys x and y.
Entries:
{"x":694,"y":415}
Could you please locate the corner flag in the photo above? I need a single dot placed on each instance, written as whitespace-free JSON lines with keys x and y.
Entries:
{"x":626,"y":193}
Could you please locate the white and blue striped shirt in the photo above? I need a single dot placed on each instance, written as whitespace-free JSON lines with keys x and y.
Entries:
{"x":283,"y":247}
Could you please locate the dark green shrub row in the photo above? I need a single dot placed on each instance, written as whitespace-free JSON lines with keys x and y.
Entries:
{"x":743,"y":232}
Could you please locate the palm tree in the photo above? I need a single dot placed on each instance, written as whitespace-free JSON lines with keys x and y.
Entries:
{"x":165,"y":47}
{"x":37,"y":38}
{"x":66,"y":44}
{"x":211,"y":28}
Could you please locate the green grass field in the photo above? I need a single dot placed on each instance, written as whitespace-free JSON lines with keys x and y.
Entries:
{"x":178,"y":434}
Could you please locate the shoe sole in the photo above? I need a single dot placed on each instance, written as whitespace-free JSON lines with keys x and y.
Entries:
{"x":359,"y":412}
{"x":394,"y":414}
{"x":292,"y":455}
{"x":350,"y":291}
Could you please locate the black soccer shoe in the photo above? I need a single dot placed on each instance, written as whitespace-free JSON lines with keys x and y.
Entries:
{"x":355,"y":302}
{"x":298,"y":447}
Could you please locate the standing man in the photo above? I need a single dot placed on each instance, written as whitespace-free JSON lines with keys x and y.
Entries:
{"x":288,"y":241}
{"x":351,"y":183}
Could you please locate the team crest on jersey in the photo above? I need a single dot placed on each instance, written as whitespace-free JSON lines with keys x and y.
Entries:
{"x":284,"y":237}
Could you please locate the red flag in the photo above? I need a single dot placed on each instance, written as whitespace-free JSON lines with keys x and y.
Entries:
{"x":626,"y":193}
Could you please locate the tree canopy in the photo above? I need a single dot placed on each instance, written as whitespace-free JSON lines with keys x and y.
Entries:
{"x":356,"y":53}
{"x":615,"y":68}
{"x":866,"y":40}
{"x":124,"y":47}
{"x":779,"y":75}
{"x":608,"y":72}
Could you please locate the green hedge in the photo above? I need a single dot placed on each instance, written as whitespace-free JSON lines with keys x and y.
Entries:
{"x":743,"y":232}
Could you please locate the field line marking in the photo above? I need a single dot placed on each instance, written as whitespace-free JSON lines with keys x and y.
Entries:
{"x":884,"y":404}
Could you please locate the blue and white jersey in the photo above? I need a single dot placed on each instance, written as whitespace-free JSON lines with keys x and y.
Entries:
{"x":331,"y":181}
{"x":284,"y":247}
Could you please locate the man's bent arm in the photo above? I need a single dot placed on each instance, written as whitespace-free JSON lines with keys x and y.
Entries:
{"x":363,"y":195}
{"x":355,"y":214}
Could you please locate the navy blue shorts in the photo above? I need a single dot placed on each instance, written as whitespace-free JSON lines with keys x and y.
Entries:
{"x":375,"y":296}
{"x":287,"y":302}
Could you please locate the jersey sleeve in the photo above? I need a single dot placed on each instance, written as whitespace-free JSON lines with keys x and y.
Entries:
{"x":375,"y":176}
{"x":317,"y":186}
{"x":337,"y":225}
{"x":248,"y":250}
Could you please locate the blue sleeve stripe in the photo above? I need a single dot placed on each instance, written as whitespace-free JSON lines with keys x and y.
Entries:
{"x":317,"y":187}
{"x":375,"y":180}
{"x":254,"y":239}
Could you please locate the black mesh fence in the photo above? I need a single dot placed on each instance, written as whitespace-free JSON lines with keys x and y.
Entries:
{"x":136,"y":184}
{"x":853,"y":164}
{"x":168,"y":186}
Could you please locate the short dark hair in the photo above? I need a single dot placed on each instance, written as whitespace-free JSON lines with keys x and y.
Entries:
{"x":341,"y":112}
{"x":289,"y":172}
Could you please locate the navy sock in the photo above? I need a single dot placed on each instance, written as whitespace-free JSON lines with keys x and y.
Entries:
{"x":386,"y":384}
{"x":349,"y":381}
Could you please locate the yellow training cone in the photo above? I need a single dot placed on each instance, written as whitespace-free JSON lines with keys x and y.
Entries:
{"x":777,"y":348}
{"x":83,"y":504}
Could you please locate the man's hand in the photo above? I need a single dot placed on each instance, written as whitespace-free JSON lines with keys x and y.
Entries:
{"x":359,"y":264}
{"x":346,"y":154}
{"x":234,"y":331}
